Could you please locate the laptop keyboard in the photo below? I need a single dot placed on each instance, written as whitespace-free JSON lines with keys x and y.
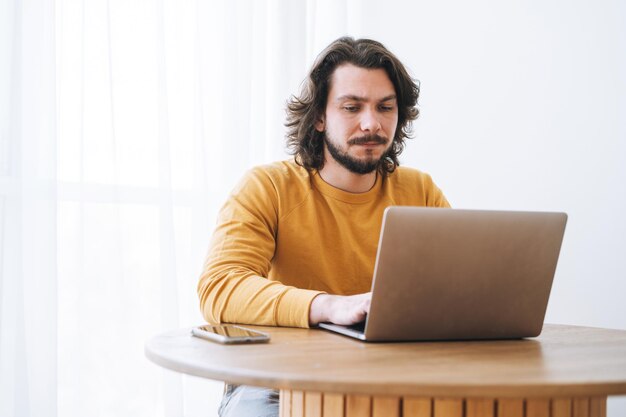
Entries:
{"x":357,"y":327}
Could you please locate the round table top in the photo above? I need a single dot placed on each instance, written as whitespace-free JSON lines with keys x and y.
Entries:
{"x":562,"y":361}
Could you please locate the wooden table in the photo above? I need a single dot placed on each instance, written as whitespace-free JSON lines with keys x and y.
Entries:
{"x":567,"y":371}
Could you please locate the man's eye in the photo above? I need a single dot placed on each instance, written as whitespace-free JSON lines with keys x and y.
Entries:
{"x":351,"y":109}
{"x":386,"y":108}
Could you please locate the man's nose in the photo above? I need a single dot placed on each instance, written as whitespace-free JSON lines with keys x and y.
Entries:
{"x":369,"y":121}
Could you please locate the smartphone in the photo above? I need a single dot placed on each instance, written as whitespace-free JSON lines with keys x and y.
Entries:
{"x":229,"y":334}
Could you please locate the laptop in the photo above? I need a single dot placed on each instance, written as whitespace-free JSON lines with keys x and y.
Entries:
{"x":450,"y":274}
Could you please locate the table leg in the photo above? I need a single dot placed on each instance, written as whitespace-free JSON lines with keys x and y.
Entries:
{"x":318,"y":404}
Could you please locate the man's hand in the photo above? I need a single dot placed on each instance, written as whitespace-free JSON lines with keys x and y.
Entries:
{"x":339,"y":309}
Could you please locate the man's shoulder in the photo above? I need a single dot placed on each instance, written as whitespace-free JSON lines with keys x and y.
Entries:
{"x":281,"y":173}
{"x":281,"y":179}
{"x":279,"y":185}
{"x":410,"y":186}
{"x":409,"y":176}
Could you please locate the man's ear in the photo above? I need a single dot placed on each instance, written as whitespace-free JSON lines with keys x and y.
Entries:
{"x":320,"y":125}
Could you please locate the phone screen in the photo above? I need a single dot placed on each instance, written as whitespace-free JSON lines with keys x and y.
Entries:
{"x":229,"y":331}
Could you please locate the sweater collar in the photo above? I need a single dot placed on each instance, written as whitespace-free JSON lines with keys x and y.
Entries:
{"x":345,"y":196}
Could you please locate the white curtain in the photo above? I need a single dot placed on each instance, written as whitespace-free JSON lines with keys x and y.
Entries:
{"x":29,"y":325}
{"x":123,"y":126}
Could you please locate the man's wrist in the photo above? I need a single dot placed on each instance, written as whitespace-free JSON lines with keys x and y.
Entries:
{"x":319,"y":311}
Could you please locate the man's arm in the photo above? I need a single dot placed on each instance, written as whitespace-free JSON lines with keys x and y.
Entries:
{"x":233,"y":286}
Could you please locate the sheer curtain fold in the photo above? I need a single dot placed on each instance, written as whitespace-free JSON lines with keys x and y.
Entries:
{"x":28,"y":305}
{"x":123,"y":127}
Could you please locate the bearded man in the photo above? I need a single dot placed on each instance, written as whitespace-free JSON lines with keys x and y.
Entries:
{"x":295,"y":243}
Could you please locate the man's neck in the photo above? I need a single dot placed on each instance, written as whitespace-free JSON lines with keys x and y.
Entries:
{"x":339,"y":177}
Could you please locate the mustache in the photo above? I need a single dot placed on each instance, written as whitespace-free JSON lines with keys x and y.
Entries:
{"x":368,"y":138}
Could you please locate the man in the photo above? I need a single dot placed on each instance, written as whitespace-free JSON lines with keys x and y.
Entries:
{"x":296,"y":242}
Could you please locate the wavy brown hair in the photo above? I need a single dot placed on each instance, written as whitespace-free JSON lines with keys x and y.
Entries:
{"x":305,"y":142}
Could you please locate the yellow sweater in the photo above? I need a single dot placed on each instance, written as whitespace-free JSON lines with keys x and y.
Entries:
{"x":285,"y":236}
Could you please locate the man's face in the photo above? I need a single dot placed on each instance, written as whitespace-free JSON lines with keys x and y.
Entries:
{"x":360,"y":119}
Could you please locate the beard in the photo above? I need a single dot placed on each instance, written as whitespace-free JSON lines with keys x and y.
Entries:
{"x":360,"y":166}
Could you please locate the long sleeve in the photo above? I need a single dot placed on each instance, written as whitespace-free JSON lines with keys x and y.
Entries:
{"x":234,"y":286}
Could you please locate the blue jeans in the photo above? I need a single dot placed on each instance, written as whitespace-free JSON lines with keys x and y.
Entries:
{"x":247,"y":401}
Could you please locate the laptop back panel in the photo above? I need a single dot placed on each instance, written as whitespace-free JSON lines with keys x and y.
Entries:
{"x":444,"y":274}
